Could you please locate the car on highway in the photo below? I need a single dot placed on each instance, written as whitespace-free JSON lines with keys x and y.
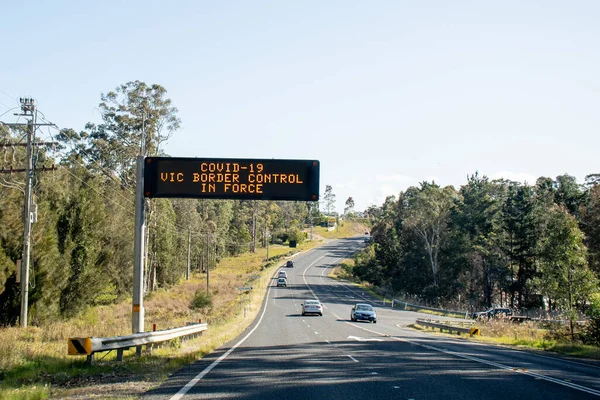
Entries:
{"x":289,"y":264}
{"x":493,"y":313}
{"x":363,"y":312}
{"x":281,"y":282}
{"x":312,"y":307}
{"x":282,"y":274}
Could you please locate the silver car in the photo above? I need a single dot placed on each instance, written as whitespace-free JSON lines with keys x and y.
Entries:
{"x":281,"y":282}
{"x":312,"y":307}
{"x":363,"y":312}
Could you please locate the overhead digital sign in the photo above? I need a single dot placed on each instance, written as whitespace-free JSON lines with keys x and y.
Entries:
{"x":224,"y":178}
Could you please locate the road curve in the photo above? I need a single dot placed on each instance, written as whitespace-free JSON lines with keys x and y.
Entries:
{"x":286,"y":355}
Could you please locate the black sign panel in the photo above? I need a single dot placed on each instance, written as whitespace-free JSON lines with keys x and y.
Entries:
{"x":224,"y":178}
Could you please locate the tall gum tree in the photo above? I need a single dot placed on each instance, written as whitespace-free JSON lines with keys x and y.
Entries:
{"x":113,"y":145}
{"x":427,"y":213}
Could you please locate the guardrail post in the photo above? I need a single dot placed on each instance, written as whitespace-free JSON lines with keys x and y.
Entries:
{"x":90,"y":359}
{"x":119,"y":354}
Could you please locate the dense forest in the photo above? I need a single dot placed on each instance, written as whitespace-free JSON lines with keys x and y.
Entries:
{"x":82,"y":240}
{"x":489,"y":243}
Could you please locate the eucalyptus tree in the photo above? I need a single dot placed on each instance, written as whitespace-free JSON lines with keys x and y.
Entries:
{"x":113,"y":145}
{"x":329,"y":199}
{"x":564,"y":276}
{"x":427,"y":212}
{"x":349,"y":206}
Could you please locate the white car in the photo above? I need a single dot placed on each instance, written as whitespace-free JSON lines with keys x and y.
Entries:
{"x":283,"y":274}
{"x":312,"y":307}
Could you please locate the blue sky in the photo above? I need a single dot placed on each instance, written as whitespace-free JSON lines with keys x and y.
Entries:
{"x":385,"y":94}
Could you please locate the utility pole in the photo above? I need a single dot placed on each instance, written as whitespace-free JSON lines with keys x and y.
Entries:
{"x":27,"y":221}
{"x":267,"y":244}
{"x":28,"y":109}
{"x":137,"y":317}
{"x":189,"y":259}
{"x":207,"y":264}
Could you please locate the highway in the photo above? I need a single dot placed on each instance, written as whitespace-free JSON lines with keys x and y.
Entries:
{"x":284,"y":355}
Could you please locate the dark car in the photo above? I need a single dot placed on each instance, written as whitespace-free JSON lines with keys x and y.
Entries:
{"x":364,"y":312}
{"x":493,"y":313}
{"x":289,"y":264}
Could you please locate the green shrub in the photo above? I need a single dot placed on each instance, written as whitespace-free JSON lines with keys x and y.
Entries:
{"x":591,"y":333}
{"x":202,"y":300}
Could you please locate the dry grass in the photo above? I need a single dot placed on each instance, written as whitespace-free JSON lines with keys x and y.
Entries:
{"x":343,"y":270}
{"x":526,"y":335}
{"x":345,"y":229}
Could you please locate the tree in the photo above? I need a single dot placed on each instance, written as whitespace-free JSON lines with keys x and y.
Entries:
{"x":427,"y":213}
{"x":522,"y":228}
{"x":112,"y":146}
{"x":564,"y":273}
{"x":590,"y":224}
{"x":329,"y":198}
{"x":349,"y":206}
{"x":568,"y":193}
{"x":477,"y":226}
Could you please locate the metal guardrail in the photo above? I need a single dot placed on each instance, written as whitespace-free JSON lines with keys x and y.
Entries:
{"x":90,"y":346}
{"x":443,"y":327}
{"x":414,"y":307}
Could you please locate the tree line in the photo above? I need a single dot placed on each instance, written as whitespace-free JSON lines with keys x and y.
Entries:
{"x":82,"y":240}
{"x":489,"y":243}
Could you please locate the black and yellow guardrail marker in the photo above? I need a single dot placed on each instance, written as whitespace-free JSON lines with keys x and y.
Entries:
{"x":79,"y":346}
{"x":474,"y":331}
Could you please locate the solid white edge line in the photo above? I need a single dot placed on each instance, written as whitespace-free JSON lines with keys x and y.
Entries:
{"x":201,"y":375}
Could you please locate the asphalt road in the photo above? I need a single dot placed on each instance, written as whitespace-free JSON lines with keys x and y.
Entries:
{"x":284,"y":355}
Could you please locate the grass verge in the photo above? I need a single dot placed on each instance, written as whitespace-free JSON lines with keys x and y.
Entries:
{"x":527,"y":335}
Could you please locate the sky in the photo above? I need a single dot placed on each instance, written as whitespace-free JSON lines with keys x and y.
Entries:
{"x":385,"y":94}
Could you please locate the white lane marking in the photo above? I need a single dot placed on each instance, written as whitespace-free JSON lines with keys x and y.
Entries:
{"x":352,"y":358}
{"x":396,"y":387}
{"x":362,"y":339}
{"x":316,"y":333}
{"x":327,"y":266}
{"x":374,"y":373}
